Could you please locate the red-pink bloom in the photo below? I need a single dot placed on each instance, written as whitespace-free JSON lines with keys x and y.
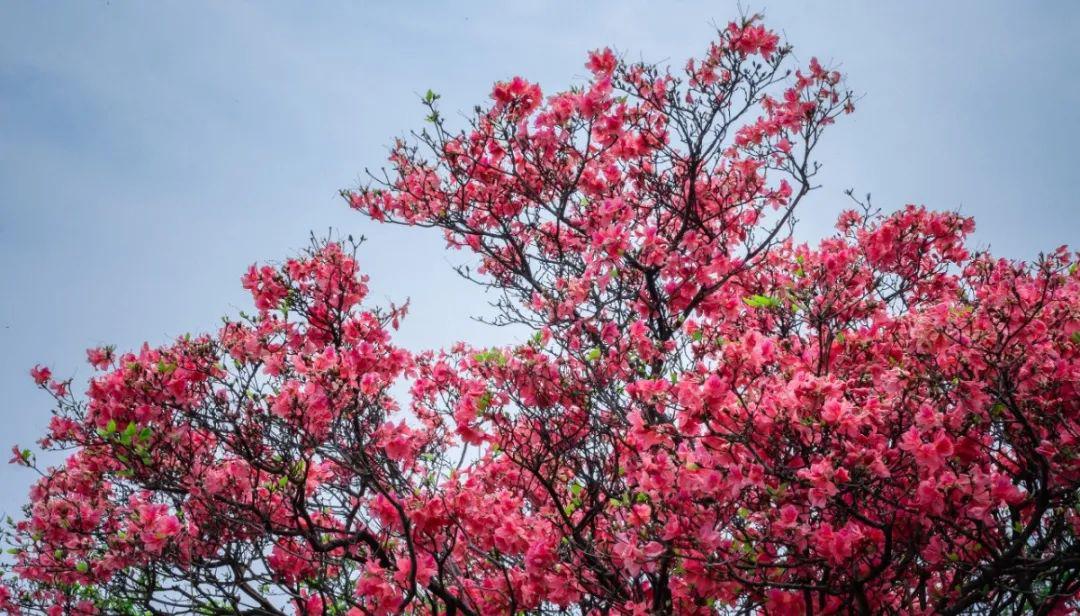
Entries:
{"x":41,"y":374}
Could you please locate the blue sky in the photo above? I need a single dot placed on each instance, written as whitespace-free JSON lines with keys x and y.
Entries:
{"x":150,"y":151}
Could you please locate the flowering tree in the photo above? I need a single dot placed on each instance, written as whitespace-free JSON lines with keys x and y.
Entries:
{"x":708,"y":418}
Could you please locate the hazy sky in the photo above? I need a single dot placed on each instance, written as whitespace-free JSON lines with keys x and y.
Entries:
{"x":150,"y":151}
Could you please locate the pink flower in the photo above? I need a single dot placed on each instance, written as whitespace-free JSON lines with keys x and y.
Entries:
{"x":156,"y":526}
{"x":19,"y":456}
{"x":601,"y":62}
{"x":517,"y":92}
{"x":99,"y":358}
{"x":40,"y":374}
{"x":789,"y":516}
{"x":753,"y":39}
{"x":1005,"y":491}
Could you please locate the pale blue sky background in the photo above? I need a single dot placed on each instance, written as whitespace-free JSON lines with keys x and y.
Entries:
{"x":150,"y":151}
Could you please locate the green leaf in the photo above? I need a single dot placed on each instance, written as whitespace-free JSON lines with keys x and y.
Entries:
{"x":129,"y":433}
{"x":491,"y":356}
{"x":761,"y":301}
{"x":593,"y":354}
{"x":575,"y":488}
{"x":110,"y":427}
{"x":483,"y":403}
{"x":298,"y":469}
{"x":1076,"y":337}
{"x":82,"y":566}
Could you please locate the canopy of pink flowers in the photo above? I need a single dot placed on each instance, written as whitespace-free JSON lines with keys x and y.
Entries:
{"x":709,"y":416}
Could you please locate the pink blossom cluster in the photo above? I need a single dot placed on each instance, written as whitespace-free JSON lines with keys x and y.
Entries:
{"x":707,"y":417}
